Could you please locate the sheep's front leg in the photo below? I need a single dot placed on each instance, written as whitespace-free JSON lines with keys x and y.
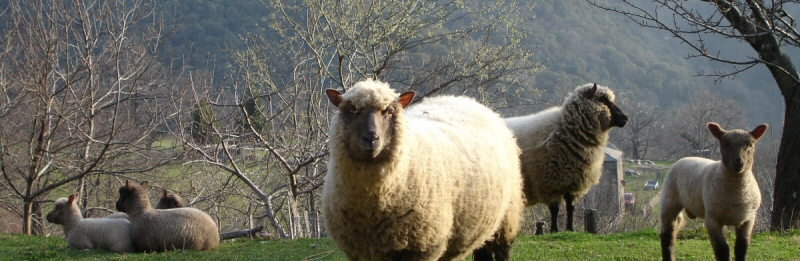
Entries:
{"x":743,"y":239}
{"x":485,"y":253}
{"x":570,"y":210}
{"x":553,"y":216}
{"x":716,"y":232}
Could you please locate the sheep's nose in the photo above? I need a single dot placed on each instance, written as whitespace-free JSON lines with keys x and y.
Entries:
{"x":370,"y":137}
{"x":738,"y":164}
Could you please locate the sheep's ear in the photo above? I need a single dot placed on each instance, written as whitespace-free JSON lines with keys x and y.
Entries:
{"x":71,"y":199}
{"x":406,"y":98}
{"x":334,"y":96}
{"x":144,"y":184}
{"x":759,"y":131}
{"x":716,"y":130}
{"x":127,"y":184}
{"x":590,"y":93}
{"x":165,"y":193}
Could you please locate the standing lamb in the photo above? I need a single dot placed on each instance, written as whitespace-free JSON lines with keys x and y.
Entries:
{"x":86,"y":233}
{"x":434,"y":182}
{"x":563,"y":147}
{"x":167,"y":201}
{"x":165,"y":229}
{"x":724,"y":193}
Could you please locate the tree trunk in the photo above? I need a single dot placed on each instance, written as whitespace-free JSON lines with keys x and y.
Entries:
{"x":786,"y":204}
{"x":240,"y":233}
{"x":26,"y":218}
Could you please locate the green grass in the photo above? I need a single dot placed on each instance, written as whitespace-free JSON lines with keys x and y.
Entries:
{"x":640,"y":245}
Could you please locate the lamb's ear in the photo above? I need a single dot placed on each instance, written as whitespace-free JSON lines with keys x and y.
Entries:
{"x":72,"y":199}
{"x":144,"y":184}
{"x":406,"y":98}
{"x":716,"y":130}
{"x":590,"y":93}
{"x":759,"y":131}
{"x":334,"y":96}
{"x":165,"y":193}
{"x":127,"y":184}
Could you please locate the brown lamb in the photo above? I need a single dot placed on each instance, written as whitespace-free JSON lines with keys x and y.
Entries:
{"x":165,"y":229}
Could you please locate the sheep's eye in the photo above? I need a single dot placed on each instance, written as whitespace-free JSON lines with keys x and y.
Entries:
{"x":352,"y":110}
{"x":389,"y":111}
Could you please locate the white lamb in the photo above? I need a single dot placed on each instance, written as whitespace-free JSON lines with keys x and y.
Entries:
{"x":434,"y":182}
{"x":563,"y":147}
{"x":86,"y":233}
{"x":724,"y":193}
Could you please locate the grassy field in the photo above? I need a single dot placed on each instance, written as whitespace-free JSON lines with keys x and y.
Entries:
{"x":641,"y":245}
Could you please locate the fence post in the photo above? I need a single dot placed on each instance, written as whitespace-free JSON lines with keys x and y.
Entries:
{"x":539,"y":228}
{"x":591,"y":221}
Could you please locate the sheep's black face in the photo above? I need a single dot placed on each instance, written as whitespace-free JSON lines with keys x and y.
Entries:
{"x":369,"y":128}
{"x":618,"y":118}
{"x":737,"y":147}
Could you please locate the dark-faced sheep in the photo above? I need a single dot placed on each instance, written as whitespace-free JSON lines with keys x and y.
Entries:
{"x":167,"y":201}
{"x":723,"y":193}
{"x":436,"y":181}
{"x":86,"y":233}
{"x":165,"y":229}
{"x":563,"y":147}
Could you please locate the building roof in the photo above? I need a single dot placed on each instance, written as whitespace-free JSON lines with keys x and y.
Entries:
{"x":613,"y":155}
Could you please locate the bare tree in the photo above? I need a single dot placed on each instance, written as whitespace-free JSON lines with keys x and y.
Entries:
{"x":80,"y":87}
{"x":690,"y":122}
{"x":273,"y":117}
{"x":645,"y":118}
{"x":767,"y":27}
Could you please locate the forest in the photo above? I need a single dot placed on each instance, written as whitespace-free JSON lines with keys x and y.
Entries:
{"x":222,"y":102}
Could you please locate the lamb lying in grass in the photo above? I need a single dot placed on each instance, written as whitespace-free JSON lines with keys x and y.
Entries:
{"x":724,"y":193}
{"x":167,"y":201}
{"x":165,"y":229}
{"x":86,"y":233}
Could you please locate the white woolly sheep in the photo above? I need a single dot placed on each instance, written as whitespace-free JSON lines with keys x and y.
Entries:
{"x":563,"y":147}
{"x":165,"y":229}
{"x":433,"y":182}
{"x":167,"y":201}
{"x":724,"y":193}
{"x":86,"y":233}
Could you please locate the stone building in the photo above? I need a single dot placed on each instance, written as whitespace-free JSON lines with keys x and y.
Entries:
{"x":607,"y":196}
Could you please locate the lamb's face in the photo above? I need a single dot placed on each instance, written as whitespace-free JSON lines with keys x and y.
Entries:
{"x":737,"y":147}
{"x":368,"y":127}
{"x":169,"y":201}
{"x":64,"y":207}
{"x":131,"y":196}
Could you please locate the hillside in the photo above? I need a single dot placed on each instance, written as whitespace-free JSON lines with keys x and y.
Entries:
{"x":576,"y":42}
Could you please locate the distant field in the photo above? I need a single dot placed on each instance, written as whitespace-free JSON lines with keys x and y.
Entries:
{"x":640,"y":245}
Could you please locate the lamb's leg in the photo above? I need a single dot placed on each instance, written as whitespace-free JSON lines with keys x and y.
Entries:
{"x":570,"y":210}
{"x":716,"y":232}
{"x":743,"y":239}
{"x":671,"y":223}
{"x":553,"y":216}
